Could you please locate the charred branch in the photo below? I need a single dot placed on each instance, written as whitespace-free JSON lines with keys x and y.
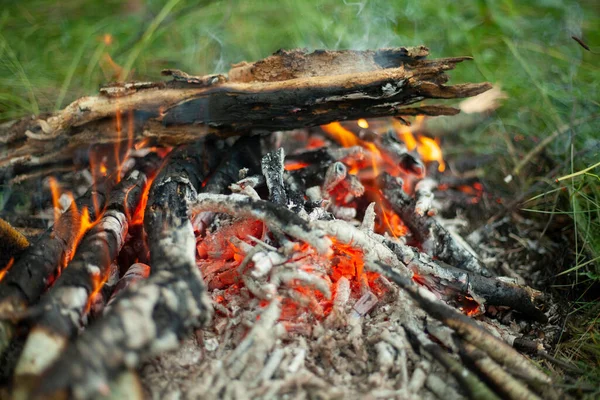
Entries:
{"x":154,"y":315}
{"x":468,"y":330}
{"x":436,"y":240}
{"x":61,"y":311}
{"x":186,"y":109}
{"x":272,"y":169}
{"x":40,"y":263}
{"x":450,"y":281}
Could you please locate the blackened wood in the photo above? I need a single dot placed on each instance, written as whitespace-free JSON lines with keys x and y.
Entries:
{"x":444,"y":279}
{"x":469,"y":331}
{"x":154,"y":315}
{"x":272,"y":169}
{"x":62,"y":307}
{"x":469,"y":382}
{"x":245,"y":153}
{"x":435,"y":239}
{"x":40,"y":262}
{"x":178,"y":112}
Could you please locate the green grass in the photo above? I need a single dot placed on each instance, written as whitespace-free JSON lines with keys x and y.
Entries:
{"x":54,"y":52}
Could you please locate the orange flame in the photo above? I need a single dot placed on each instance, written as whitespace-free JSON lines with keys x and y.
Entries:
{"x":98,"y":283}
{"x":342,"y":135}
{"x":405,"y":133}
{"x":5,"y":270}
{"x":292,"y":166}
{"x":55,"y":190}
{"x":429,"y":150}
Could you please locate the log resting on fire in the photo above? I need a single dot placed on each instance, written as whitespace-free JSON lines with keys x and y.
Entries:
{"x":153,"y":316}
{"x":300,"y":90}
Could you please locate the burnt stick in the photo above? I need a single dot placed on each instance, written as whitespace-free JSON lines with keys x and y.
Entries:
{"x":505,"y":384}
{"x":154,"y":315}
{"x":41,"y":261}
{"x":475,"y":388}
{"x":272,"y":169}
{"x":61,"y":310}
{"x":436,"y":240}
{"x":444,"y":278}
{"x":468,"y":330}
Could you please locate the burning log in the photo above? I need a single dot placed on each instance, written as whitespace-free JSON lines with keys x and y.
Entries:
{"x":41,"y":262}
{"x":60,"y":312}
{"x":153,"y":315}
{"x":183,"y":110}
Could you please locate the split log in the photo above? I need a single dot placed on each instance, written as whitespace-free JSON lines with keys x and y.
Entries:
{"x":154,"y":315}
{"x":299,"y":90}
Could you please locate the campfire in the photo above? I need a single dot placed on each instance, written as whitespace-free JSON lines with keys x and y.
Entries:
{"x":266,"y":233}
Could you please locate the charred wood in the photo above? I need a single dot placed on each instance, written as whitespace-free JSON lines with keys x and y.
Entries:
{"x":272,"y":169}
{"x":436,"y":240}
{"x":444,"y":278}
{"x":153,"y":316}
{"x":61,"y":311}
{"x":474,"y":387}
{"x":468,"y":330}
{"x":277,"y":217}
{"x":182,"y":111}
{"x":504,"y":384}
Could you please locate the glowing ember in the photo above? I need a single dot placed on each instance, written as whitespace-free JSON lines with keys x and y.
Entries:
{"x":292,"y":166}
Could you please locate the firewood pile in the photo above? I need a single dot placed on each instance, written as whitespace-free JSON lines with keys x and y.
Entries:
{"x":243,"y":236}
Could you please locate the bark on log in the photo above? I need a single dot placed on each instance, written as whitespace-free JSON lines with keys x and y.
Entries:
{"x":286,"y":91}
